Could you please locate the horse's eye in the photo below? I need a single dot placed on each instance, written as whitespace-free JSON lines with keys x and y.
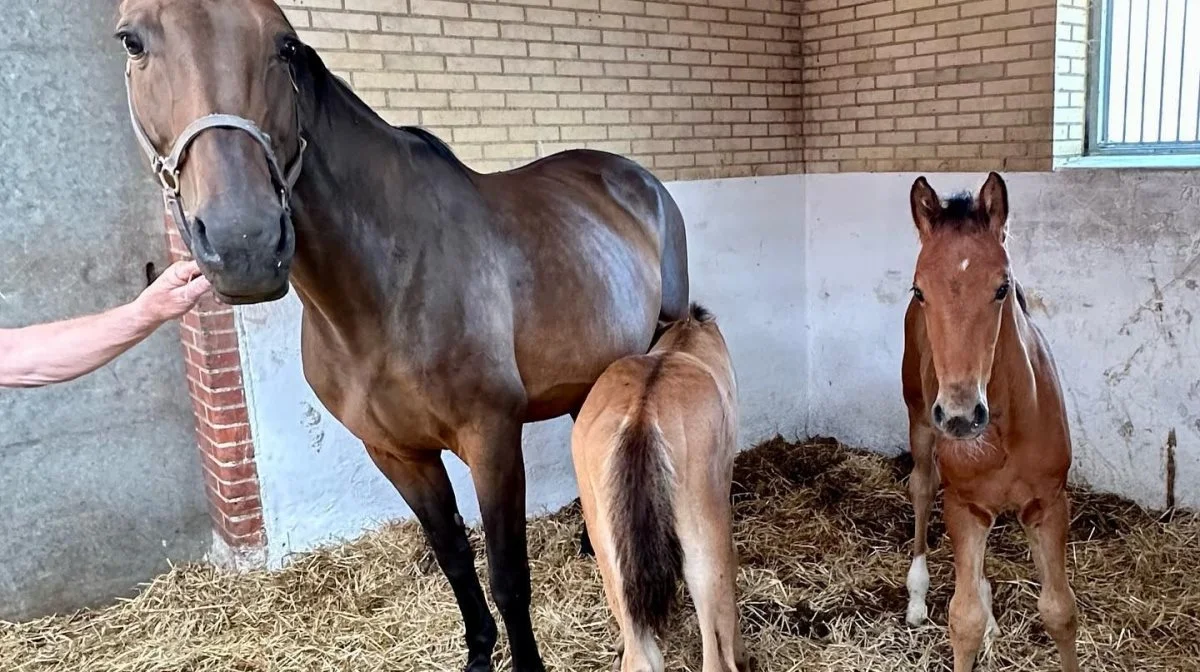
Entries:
{"x":133,"y":46}
{"x":1002,"y":292}
{"x":289,"y":49}
{"x":917,"y":293}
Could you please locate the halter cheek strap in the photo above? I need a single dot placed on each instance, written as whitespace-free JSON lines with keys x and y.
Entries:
{"x":167,"y":168}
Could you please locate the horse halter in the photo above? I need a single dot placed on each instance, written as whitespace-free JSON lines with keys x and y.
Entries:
{"x":167,"y":168}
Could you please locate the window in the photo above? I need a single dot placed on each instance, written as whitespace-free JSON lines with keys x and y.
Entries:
{"x":1145,"y":78}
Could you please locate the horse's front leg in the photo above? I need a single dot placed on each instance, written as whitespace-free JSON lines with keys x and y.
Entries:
{"x":421,"y":478}
{"x":494,"y":454}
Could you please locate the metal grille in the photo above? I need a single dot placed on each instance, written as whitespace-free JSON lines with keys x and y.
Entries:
{"x":1146,"y":94}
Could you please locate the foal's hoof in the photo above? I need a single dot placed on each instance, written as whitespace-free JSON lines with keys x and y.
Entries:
{"x":992,"y":631}
{"x":918,"y":613}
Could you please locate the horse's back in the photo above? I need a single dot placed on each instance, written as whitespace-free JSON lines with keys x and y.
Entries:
{"x":623,"y":192}
{"x":597,"y":255}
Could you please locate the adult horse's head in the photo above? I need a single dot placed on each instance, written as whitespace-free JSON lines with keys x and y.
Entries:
{"x":214,"y":104}
{"x":962,"y":282}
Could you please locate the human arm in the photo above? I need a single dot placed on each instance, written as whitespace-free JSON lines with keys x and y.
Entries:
{"x":43,"y":354}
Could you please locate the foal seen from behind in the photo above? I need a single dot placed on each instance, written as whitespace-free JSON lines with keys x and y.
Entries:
{"x":985,"y":412}
{"x":653,"y":448}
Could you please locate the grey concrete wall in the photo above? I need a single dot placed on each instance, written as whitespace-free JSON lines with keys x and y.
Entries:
{"x":1110,"y":260}
{"x":100,"y":482}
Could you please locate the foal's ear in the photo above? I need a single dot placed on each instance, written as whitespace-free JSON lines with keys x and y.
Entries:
{"x":926,"y":206}
{"x":993,"y":201}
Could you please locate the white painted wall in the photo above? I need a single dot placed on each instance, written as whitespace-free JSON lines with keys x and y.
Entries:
{"x":746,"y":254}
{"x":809,"y":277}
{"x":1111,"y":263}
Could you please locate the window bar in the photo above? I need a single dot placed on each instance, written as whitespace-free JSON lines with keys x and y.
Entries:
{"x":1162,"y":72}
{"x":1182,"y":66}
{"x":1128,"y":55}
{"x":1145,"y":74}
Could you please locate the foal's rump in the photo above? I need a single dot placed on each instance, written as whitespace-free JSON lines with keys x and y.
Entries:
{"x":649,"y":422}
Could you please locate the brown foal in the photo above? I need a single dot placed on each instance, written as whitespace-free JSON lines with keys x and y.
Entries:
{"x":653,"y":449}
{"x":986,"y":411}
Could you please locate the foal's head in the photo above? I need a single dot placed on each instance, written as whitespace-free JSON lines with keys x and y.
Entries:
{"x":190,"y":59}
{"x":962,"y":282}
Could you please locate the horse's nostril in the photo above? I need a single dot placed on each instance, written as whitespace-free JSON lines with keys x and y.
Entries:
{"x":281,"y":247}
{"x":981,"y":415}
{"x":939,"y":415}
{"x":202,"y":246}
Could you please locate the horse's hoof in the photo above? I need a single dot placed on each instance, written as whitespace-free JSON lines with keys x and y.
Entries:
{"x":585,"y":545}
{"x":479,"y":664}
{"x":918,"y":613}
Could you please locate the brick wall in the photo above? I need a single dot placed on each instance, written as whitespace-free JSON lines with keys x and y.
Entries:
{"x":689,"y":88}
{"x":1070,"y":79}
{"x":891,"y":85}
{"x":214,"y":373}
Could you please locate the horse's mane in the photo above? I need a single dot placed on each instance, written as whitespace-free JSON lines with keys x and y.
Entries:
{"x":328,"y":85}
{"x":961,"y":213}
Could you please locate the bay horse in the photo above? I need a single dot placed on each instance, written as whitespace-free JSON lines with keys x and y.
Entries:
{"x":986,"y":413}
{"x":442,"y":308}
{"x":653,"y":449}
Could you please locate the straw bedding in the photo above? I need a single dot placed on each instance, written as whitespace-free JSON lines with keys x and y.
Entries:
{"x":822,"y":533}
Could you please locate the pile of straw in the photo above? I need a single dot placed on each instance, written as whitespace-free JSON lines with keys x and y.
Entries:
{"x":823,"y":535}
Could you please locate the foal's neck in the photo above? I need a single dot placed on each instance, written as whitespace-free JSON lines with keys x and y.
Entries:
{"x":1012,"y":370}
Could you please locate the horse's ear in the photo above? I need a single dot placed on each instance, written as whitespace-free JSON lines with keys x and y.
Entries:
{"x":993,"y":201}
{"x":926,"y":206}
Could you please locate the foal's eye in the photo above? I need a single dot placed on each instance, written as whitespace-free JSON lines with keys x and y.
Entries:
{"x":1002,"y":292}
{"x":133,"y":46}
{"x":917,"y":293}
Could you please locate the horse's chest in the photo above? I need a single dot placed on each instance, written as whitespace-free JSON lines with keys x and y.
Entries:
{"x":364,"y":393}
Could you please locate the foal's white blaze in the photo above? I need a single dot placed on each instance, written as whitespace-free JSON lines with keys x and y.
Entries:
{"x":918,"y":587}
{"x":965,"y":263}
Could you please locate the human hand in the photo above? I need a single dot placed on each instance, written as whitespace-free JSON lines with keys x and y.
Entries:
{"x":174,"y":292}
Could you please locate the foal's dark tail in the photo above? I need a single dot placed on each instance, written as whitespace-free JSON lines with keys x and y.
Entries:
{"x":648,"y":551}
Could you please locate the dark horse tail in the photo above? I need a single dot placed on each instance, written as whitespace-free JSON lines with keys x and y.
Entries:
{"x":648,"y":551}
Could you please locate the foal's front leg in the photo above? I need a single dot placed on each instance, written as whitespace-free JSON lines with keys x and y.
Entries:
{"x":1047,"y":529}
{"x":968,"y":528}
{"x":922,"y":488}
{"x":498,"y":470}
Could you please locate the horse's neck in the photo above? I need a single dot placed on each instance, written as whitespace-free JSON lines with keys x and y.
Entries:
{"x":358,"y":233}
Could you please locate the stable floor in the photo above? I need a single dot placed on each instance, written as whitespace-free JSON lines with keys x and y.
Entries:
{"x":823,"y":534}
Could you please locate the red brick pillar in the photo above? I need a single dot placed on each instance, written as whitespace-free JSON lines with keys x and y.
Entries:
{"x":214,"y":373}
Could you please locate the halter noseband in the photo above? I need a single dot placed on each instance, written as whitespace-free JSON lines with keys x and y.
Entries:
{"x":167,"y":168}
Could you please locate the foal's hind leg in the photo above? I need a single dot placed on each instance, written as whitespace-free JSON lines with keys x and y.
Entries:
{"x":1047,"y":530}
{"x":710,"y":570}
{"x":922,"y":487}
{"x":421,"y":478}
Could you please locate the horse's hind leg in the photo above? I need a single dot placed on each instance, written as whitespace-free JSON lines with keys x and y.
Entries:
{"x":421,"y":478}
{"x":922,"y":487}
{"x":710,"y":569}
{"x":1047,"y":530}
